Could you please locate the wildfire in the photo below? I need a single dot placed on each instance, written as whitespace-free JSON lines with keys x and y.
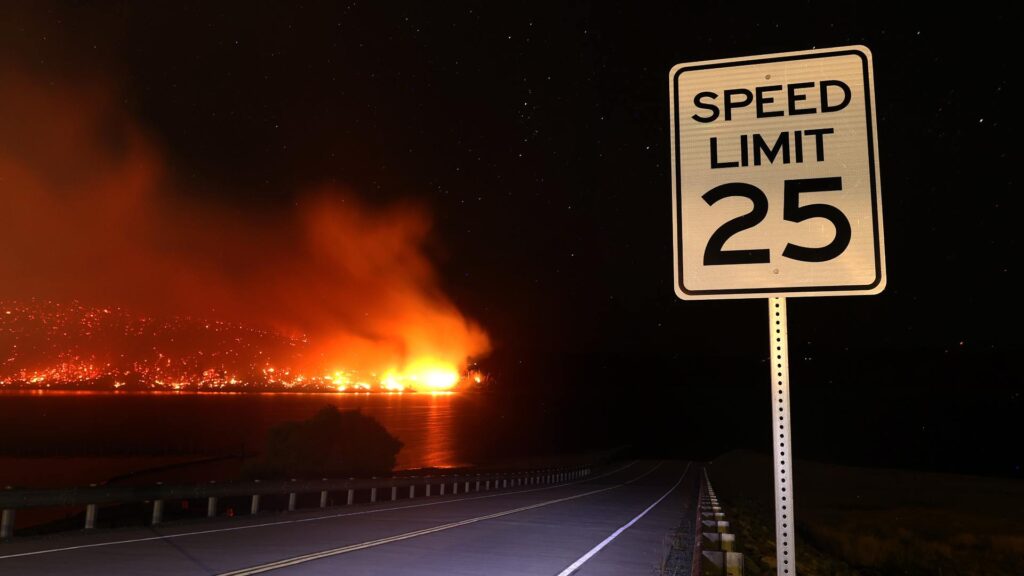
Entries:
{"x":316,"y":290}
{"x":61,"y":346}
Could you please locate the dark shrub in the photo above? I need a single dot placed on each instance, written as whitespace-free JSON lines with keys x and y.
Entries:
{"x":330,"y":444}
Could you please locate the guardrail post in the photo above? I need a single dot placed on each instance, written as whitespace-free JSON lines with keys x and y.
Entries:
{"x":442,"y":488}
{"x":477,"y":485}
{"x":7,"y":523}
{"x":90,"y":516}
{"x":412,"y":491}
{"x":211,"y":506}
{"x":291,"y":501}
{"x":394,"y":493}
{"x":323,"y":498}
{"x":254,"y":508}
{"x":158,"y":512}
{"x":455,"y":487}
{"x":373,"y":494}
{"x":487,"y":485}
{"x":351,"y":496}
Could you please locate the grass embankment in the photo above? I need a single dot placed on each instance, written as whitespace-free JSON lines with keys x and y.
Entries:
{"x":861,"y":521}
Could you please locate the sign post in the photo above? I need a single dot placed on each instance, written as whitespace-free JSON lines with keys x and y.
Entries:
{"x":775,"y":194}
{"x":785,"y":543}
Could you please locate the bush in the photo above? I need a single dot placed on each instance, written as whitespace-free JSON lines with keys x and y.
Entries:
{"x":332,"y":443}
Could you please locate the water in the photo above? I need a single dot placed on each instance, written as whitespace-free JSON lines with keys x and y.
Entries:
{"x":53,"y":438}
{"x":63,"y":424}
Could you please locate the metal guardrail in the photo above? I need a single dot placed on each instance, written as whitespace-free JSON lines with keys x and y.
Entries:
{"x":718,"y":556}
{"x":92,"y":496}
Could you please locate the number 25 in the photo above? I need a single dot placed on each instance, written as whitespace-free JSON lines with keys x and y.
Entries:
{"x":792,"y":211}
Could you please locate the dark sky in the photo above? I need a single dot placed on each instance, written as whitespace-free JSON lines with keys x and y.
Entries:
{"x":538,"y":137}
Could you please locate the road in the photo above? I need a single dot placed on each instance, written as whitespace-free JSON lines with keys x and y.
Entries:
{"x":614,"y":523}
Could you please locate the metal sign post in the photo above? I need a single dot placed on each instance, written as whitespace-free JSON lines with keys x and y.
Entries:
{"x":785,"y":544}
{"x":776,"y":193}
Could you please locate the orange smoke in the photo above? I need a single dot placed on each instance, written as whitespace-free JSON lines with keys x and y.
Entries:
{"x":94,"y":211}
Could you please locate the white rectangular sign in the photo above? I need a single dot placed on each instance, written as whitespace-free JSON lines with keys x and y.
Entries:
{"x":775,"y":186}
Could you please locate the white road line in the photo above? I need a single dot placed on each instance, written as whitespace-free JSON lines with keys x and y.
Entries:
{"x":575,"y":565}
{"x":314,"y":519}
{"x":288,"y":562}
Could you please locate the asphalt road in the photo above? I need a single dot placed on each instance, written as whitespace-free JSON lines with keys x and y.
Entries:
{"x":616,"y":523}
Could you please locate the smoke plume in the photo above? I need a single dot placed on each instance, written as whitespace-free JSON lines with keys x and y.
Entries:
{"x":92,"y":210}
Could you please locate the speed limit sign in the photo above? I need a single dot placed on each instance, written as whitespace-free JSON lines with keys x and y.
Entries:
{"x":775,"y":184}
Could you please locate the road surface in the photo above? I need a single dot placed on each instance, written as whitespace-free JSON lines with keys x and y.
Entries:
{"x":616,"y":523}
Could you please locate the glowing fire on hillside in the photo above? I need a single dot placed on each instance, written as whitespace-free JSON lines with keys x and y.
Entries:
{"x":94,"y":213}
{"x":68,"y":346}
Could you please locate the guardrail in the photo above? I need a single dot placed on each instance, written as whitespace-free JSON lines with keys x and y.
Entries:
{"x":93,"y":496}
{"x":717,"y":544}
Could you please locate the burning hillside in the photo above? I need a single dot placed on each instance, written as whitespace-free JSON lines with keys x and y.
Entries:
{"x":51,"y":345}
{"x":94,"y":212}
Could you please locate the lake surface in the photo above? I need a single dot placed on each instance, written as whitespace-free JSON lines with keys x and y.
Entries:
{"x":62,"y":424}
{"x":67,"y":438}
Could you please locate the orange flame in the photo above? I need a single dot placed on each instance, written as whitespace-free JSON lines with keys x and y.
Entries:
{"x":94,"y":212}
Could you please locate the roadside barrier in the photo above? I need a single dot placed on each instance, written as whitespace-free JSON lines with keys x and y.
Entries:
{"x":92,"y":497}
{"x":717,"y":543}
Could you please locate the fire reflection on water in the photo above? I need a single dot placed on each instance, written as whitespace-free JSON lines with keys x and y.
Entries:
{"x":65,"y":424}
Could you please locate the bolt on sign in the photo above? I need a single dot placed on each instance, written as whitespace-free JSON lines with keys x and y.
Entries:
{"x":775,"y":184}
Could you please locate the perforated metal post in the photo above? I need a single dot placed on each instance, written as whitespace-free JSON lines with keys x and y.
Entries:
{"x":785,"y":545}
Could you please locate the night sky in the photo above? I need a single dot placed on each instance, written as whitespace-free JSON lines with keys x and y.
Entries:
{"x":538,"y":137}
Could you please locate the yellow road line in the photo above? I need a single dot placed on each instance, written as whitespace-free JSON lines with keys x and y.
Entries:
{"x":414,"y":534}
{"x":498,"y":494}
